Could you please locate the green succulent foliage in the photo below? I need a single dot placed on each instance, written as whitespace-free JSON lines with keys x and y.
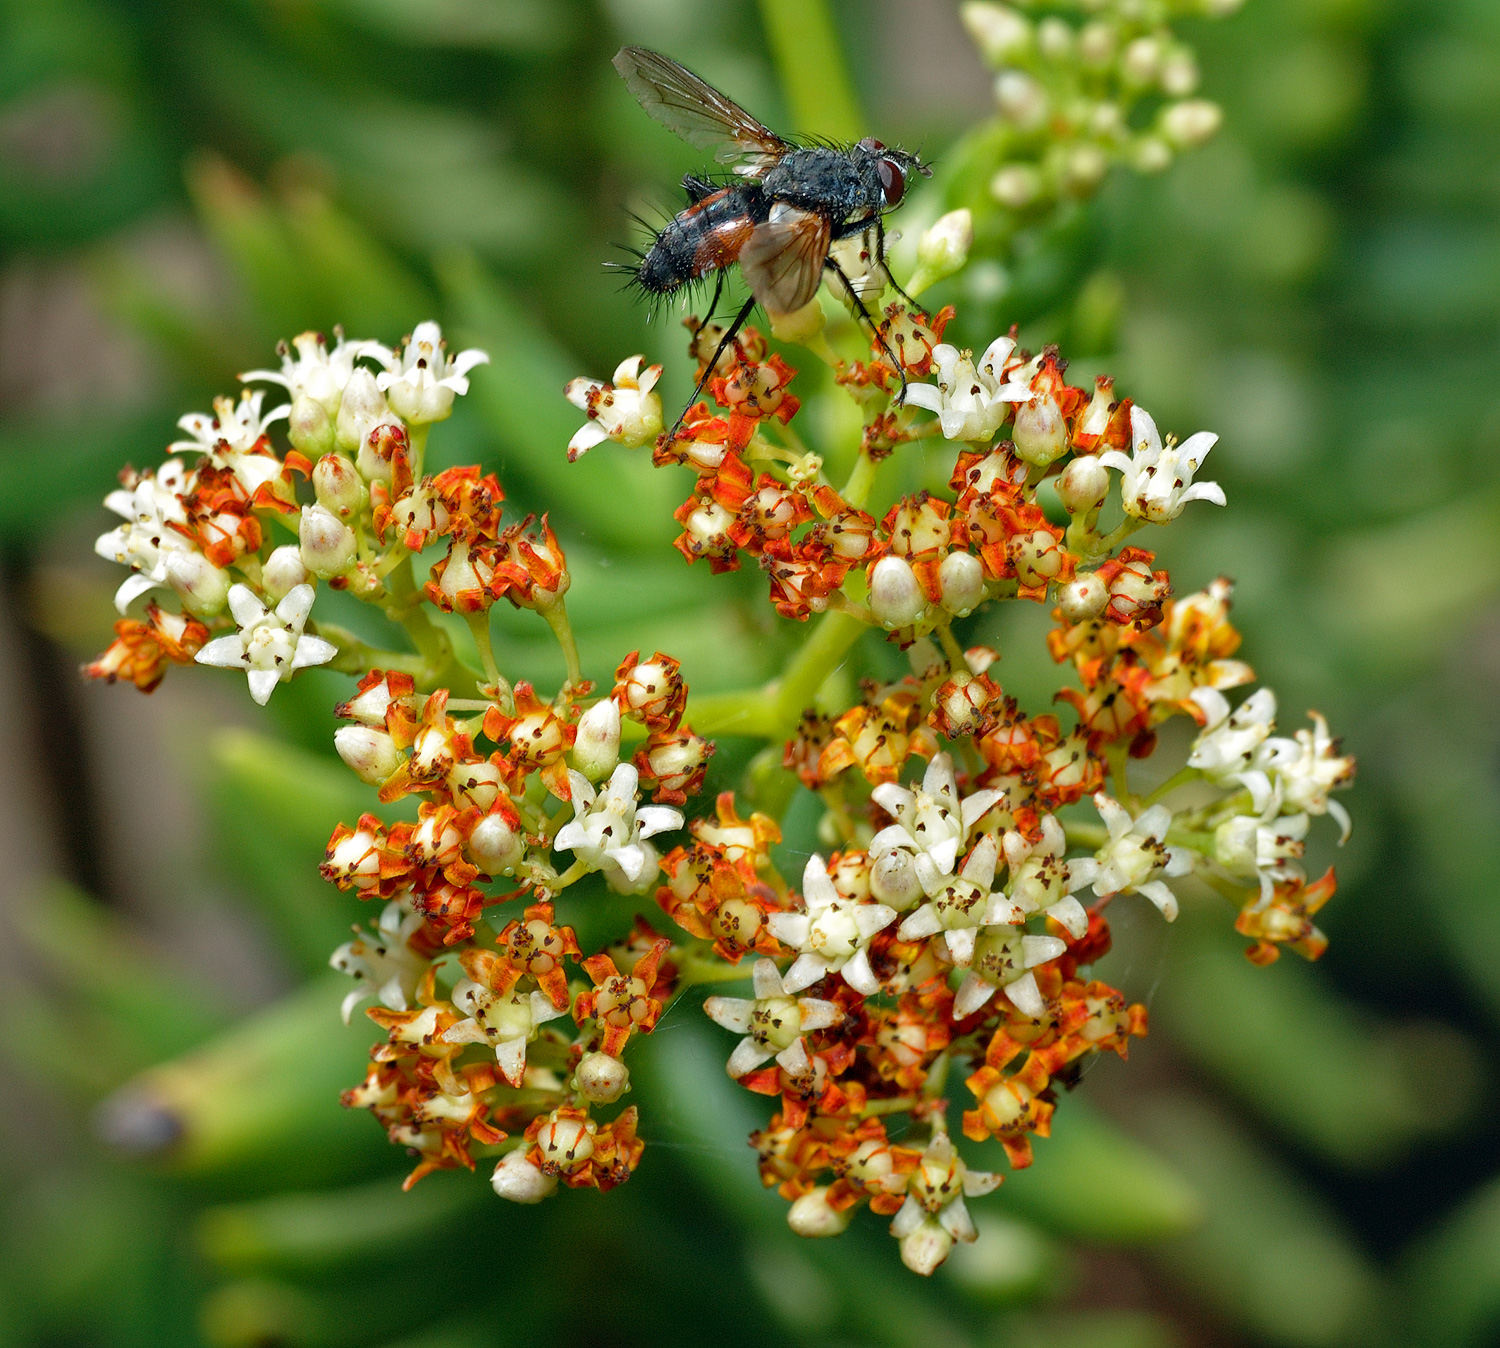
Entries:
{"x":1297,"y":1158}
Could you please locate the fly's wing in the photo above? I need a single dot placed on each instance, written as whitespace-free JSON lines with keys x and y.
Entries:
{"x":782,"y":260}
{"x":695,"y":110}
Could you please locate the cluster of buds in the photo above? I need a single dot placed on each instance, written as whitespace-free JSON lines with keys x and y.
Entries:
{"x":1088,"y":85}
{"x":956,"y":905}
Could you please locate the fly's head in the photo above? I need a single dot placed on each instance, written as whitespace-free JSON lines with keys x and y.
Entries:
{"x":894,"y":167}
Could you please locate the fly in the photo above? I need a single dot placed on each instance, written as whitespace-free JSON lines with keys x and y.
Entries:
{"x":779,"y":221}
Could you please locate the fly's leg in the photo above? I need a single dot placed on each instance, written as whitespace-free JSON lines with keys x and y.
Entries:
{"x":880,"y":253}
{"x":874,"y":326}
{"x":713,"y":304}
{"x":724,"y":345}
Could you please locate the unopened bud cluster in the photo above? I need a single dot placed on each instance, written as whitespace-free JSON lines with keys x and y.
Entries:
{"x":1083,"y":86}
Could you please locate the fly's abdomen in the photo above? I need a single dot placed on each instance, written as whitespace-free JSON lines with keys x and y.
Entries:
{"x":705,"y":238}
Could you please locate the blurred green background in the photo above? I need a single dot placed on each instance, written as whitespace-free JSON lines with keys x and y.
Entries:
{"x":1300,"y":1155}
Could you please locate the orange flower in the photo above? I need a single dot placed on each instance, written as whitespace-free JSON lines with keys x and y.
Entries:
{"x":620,"y":1003}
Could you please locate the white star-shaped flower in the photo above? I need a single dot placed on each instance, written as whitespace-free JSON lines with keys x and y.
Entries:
{"x":270,"y":645}
{"x":958,"y":906}
{"x":971,"y":401}
{"x":933,"y":1216}
{"x":831,"y":936}
{"x":1266,"y":848}
{"x":505,"y":1021}
{"x":1040,"y":880}
{"x":1226,"y":746}
{"x":1135,"y":853}
{"x":773,"y":1023}
{"x":421,"y":381}
{"x":381,"y":963}
{"x":149,"y":507}
{"x":626,"y":411}
{"x":1158,"y":481}
{"x":237,"y":426}
{"x":1305,"y":769}
{"x":932,"y":823}
{"x":316,"y":372}
{"x":609,"y":830}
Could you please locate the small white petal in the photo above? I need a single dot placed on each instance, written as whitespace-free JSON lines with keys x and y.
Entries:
{"x":223,"y":653}
{"x":1039,"y":949}
{"x":807,"y":970}
{"x":794,"y":1060}
{"x":818,"y":1014}
{"x":973,"y":994}
{"x":262,"y":684}
{"x":1162,"y":896}
{"x":733,"y":1013}
{"x":1026,"y":997}
{"x":858,"y":974}
{"x":765,"y":980}
{"x":920,"y":924}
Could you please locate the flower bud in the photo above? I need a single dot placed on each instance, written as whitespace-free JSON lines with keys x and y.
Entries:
{"x":1179,"y":73}
{"x":1083,"y":599}
{"x":339,"y":487}
{"x":1021,"y":99}
{"x":377,"y":451}
{"x":961,"y":582}
{"x":893,"y":879}
{"x":517,"y":1179}
{"x":944,"y":245}
{"x":1097,"y":42}
{"x":1084,"y":168}
{"x":328,"y":544}
{"x":1001,"y":34}
{"x":566,"y":1142}
{"x":1150,"y":154}
{"x":801,"y":325}
{"x":1016,"y":186}
{"x":371,"y":754}
{"x":202,"y":586}
{"x":1141,"y":62}
{"x":1054,"y":39}
{"x":925,"y":1248}
{"x":1038,"y":558}
{"x":283,"y":572}
{"x":496,"y":845}
{"x":1083,"y":485}
{"x":362,"y":409}
{"x":813,"y":1216}
{"x":896,"y":599}
{"x":601,"y":1078}
{"x":310,"y":427}
{"x":1191,"y":122}
{"x":1040,"y":434}
{"x":597,"y":748}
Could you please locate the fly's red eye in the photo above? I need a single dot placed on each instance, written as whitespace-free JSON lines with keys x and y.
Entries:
{"x":870,"y":143}
{"x":892,"y":181}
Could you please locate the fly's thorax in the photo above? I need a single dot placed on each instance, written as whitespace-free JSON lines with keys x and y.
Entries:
{"x":837,"y":184}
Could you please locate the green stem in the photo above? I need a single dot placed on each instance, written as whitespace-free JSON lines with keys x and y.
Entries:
{"x":952,"y":649}
{"x":556,"y":615}
{"x":861,"y":481}
{"x":822,"y":653}
{"x":356,"y":656}
{"x":479,"y":627}
{"x":897,"y":1104}
{"x":811,"y":64}
{"x":1179,"y":778}
{"x":697,"y":969}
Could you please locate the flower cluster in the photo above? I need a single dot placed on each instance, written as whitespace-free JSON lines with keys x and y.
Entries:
{"x":947,"y":924}
{"x":1074,"y":98}
{"x":943,"y":936}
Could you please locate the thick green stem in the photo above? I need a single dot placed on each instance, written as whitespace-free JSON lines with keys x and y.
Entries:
{"x":811,"y":64}
{"x":821,"y":654}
